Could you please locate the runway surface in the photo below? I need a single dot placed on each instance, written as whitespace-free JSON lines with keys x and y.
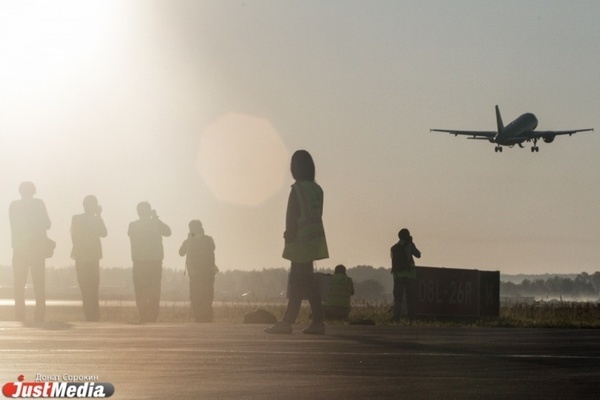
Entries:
{"x":229,"y":361}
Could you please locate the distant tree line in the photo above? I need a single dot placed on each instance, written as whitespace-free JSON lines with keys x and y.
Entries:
{"x":583,"y":286}
{"x":234,"y":285}
{"x":371,"y":284}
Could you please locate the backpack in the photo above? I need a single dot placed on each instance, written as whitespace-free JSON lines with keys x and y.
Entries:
{"x":401,"y":257}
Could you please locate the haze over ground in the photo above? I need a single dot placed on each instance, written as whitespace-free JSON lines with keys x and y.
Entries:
{"x":197,"y":106}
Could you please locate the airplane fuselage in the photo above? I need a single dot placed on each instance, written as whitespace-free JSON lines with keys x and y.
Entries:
{"x":520,"y":130}
{"x":517,"y":131}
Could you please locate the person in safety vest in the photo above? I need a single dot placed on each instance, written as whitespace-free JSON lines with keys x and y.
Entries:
{"x":341,"y":287}
{"x":404,"y":273}
{"x":304,"y":243}
{"x":199,"y":250}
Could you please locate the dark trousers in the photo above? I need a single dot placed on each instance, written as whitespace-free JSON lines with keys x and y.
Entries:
{"x":88,"y":277}
{"x":23,"y":261}
{"x":146,"y":282}
{"x":202,"y":293}
{"x":303,"y":285}
{"x":401,"y":286}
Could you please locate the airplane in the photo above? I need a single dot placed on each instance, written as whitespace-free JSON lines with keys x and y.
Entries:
{"x":520,"y":130}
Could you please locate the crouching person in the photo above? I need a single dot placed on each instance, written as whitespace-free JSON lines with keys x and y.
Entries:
{"x":199,"y":250}
{"x":337,"y":304}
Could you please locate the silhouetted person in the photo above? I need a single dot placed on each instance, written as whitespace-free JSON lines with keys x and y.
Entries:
{"x":86,"y":231}
{"x":199,"y":250}
{"x":304,"y":243}
{"x":337,"y":305}
{"x":404,"y":273}
{"x":147,"y":254}
{"x":29,"y":223}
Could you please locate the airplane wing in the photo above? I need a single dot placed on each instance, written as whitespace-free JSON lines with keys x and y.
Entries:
{"x":473,"y":134}
{"x":551,"y":134}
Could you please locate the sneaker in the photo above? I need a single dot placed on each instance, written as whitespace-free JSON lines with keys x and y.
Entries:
{"x":280,"y":327}
{"x":316,"y":328}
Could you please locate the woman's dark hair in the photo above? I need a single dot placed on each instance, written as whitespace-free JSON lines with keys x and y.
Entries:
{"x":303,"y":166}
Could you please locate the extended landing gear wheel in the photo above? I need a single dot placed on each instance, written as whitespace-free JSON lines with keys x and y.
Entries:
{"x":498,"y":149}
{"x":535,"y":149}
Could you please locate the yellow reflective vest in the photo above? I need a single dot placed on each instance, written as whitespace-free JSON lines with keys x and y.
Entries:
{"x":309,"y":243}
{"x":341,"y":288}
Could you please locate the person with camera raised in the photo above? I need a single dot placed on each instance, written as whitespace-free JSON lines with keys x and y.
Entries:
{"x":147,"y":253}
{"x":199,"y":252}
{"x":404,"y":273}
{"x":86,"y":231}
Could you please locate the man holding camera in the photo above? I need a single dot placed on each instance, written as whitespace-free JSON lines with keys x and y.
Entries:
{"x":86,"y":231}
{"x":147,"y":254}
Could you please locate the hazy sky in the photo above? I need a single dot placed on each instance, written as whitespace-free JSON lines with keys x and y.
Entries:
{"x":197,"y":106}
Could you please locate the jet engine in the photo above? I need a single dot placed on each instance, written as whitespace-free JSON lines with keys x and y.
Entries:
{"x":548,"y":139}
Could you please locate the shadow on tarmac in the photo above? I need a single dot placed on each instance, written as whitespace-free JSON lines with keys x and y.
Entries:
{"x":49,"y":325}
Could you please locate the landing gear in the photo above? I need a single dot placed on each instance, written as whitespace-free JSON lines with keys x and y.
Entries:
{"x":498,"y":149}
{"x":535,"y":149}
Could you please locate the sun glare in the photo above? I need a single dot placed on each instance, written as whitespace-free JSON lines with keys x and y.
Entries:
{"x":42,"y":42}
{"x":49,"y":51}
{"x":242,"y":159}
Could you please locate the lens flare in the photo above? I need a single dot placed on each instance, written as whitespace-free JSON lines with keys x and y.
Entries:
{"x":242,"y":159}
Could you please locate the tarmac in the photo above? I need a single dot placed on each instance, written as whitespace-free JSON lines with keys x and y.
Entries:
{"x":237,"y":361}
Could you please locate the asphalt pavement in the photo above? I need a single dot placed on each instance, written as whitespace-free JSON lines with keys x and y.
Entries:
{"x":237,"y":361}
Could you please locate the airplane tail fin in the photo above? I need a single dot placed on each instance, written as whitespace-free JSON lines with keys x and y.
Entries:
{"x":499,"y":120}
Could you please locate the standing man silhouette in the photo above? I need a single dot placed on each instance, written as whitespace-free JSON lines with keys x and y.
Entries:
{"x":199,"y":252}
{"x":404,"y":273}
{"x":147,"y":254}
{"x":29,"y":223}
{"x":86,"y":231}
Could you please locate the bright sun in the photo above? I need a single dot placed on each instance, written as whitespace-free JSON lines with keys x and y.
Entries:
{"x":42,"y":42}
{"x":47,"y":48}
